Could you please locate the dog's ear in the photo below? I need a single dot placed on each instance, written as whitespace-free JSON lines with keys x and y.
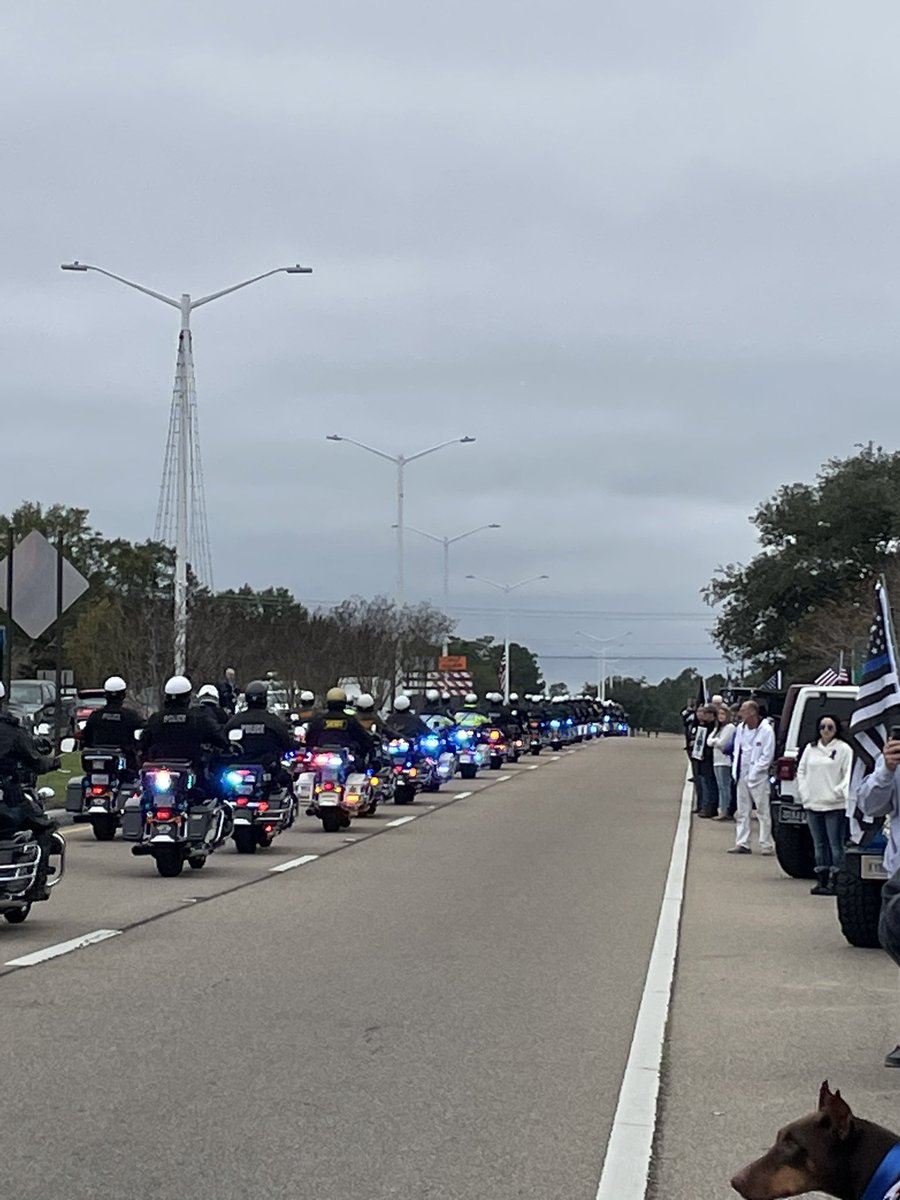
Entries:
{"x":837,"y":1110}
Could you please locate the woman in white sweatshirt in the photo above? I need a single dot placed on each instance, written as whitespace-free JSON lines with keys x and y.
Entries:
{"x":823,"y":781}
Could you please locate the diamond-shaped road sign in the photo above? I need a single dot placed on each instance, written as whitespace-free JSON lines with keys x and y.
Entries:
{"x":34,"y":584}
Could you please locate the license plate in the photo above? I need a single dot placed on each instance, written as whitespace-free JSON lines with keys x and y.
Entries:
{"x":98,"y":779}
{"x":466,"y":758}
{"x":872,"y":867}
{"x":792,"y":814}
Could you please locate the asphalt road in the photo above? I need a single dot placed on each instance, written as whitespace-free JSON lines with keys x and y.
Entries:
{"x":439,"y":1010}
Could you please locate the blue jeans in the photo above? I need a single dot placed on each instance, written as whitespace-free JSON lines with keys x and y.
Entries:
{"x":708,"y":792}
{"x":829,"y":832}
{"x":723,"y":782}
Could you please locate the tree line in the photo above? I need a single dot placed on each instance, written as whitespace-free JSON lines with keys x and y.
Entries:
{"x":804,"y":600}
{"x":124,"y":624}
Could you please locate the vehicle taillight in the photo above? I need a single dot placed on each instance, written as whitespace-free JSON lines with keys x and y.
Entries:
{"x":263,"y":805}
{"x":328,"y":785}
{"x":98,"y":790}
{"x":786,"y":768}
{"x":164,"y":814}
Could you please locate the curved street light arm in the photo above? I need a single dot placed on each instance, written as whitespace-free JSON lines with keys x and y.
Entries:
{"x":138,"y":287}
{"x":431,"y":449}
{"x":246,"y":283}
{"x":334,"y":437}
{"x":532,"y":579}
{"x":459,"y":537}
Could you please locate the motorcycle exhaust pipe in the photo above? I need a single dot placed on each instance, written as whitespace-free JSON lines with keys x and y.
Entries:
{"x":140,"y":850}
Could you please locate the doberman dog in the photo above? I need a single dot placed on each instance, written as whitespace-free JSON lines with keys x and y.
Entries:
{"x":832,"y":1151}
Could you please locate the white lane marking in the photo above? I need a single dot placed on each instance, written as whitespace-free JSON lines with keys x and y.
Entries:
{"x":295,"y":862}
{"x":503,"y":779}
{"x":401,"y":821}
{"x":461,"y":795}
{"x":626,"y":1167}
{"x":534,"y":768}
{"x":554,"y":758}
{"x":86,"y":939}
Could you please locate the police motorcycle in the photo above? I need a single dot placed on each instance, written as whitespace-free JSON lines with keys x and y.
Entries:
{"x":337,"y":789}
{"x":413,"y":767}
{"x":495,"y":747}
{"x":262,"y":808}
{"x":469,"y":755}
{"x":104,"y":789}
{"x":21,"y":852}
{"x":174,"y":819}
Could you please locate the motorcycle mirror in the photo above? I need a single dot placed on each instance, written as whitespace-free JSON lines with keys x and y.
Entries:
{"x":235,"y":735}
{"x":45,"y":793}
{"x":43,"y":730}
{"x":67,"y":745}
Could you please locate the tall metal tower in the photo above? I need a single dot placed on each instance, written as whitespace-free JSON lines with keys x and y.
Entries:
{"x":183,"y":470}
{"x":181,"y":513}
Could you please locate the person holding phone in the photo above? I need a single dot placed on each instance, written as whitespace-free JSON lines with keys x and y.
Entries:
{"x":878,"y":795}
{"x":823,"y":784}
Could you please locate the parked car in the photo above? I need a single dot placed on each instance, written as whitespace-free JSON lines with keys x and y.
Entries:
{"x":33,"y":701}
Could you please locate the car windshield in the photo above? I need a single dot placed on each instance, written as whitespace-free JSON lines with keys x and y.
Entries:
{"x":25,"y":693}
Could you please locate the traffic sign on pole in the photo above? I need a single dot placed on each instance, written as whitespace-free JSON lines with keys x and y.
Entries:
{"x":35,"y":563}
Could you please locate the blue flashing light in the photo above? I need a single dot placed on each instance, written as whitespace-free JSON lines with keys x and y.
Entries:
{"x":234,"y":778}
{"x":431,"y":742}
{"x":554,"y":724}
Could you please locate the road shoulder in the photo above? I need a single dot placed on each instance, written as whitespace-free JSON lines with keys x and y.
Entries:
{"x":769,"y":1001}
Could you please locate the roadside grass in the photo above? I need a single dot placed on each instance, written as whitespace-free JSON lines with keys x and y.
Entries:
{"x":70,"y":767}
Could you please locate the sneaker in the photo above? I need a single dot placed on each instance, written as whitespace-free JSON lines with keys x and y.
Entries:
{"x":724,"y":817}
{"x":744,"y":850}
{"x":893,"y":1059}
{"x":768,"y":851}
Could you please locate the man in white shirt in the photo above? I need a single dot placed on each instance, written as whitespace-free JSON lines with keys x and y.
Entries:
{"x":752,"y":754}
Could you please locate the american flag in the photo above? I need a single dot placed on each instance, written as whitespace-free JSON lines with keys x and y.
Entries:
{"x":832,"y":677}
{"x":773,"y":683}
{"x":878,"y":702}
{"x":502,"y":674}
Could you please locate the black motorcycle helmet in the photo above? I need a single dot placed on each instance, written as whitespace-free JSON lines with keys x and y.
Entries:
{"x":256,"y":694}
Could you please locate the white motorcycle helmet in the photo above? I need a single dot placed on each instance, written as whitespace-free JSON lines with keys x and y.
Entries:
{"x":513,"y":697}
{"x":470,"y":698}
{"x":365,"y":702}
{"x":401,"y":704}
{"x":209,"y":691}
{"x":115,"y":685}
{"x":178,"y":685}
{"x":307,"y":698}
{"x":432,"y":695}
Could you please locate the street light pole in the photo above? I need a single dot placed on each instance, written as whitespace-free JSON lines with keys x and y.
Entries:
{"x":447,"y":542}
{"x":184,"y":390}
{"x":506,"y":588}
{"x":601,"y":656}
{"x":400,"y":462}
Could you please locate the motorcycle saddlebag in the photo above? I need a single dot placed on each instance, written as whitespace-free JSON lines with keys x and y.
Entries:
{"x":132,"y":820}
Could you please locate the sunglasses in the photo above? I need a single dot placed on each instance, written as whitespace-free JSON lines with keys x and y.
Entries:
{"x":827,"y":725}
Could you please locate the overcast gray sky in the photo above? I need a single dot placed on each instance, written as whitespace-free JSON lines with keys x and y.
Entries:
{"x":647,"y":254}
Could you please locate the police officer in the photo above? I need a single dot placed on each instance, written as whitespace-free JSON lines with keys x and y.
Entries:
{"x":265,"y":737}
{"x":179,"y":732}
{"x":405,"y":721}
{"x":369,"y":718}
{"x":337,"y":729}
{"x":208,"y":697}
{"x":113,"y":727}
{"x":435,"y":711}
{"x":307,"y":709}
{"x":18,"y":811}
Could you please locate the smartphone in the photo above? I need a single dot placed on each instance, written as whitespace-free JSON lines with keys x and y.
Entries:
{"x":895,"y":733}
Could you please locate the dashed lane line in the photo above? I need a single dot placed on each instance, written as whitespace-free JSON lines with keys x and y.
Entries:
{"x":294,"y":862}
{"x":401,"y":821}
{"x":86,"y":939}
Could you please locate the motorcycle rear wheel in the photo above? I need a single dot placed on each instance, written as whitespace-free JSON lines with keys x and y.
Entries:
{"x":244,"y":839}
{"x":105,"y":828}
{"x":331,"y":820}
{"x":169,"y":861}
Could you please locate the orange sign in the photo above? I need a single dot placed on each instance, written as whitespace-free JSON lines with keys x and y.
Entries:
{"x":453,"y":662}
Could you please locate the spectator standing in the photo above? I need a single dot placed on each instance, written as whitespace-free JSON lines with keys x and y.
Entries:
{"x":702,"y":756}
{"x":721,"y":739}
{"x":754,"y":749}
{"x":689,"y":722}
{"x":823,"y":784}
{"x":228,"y":691}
